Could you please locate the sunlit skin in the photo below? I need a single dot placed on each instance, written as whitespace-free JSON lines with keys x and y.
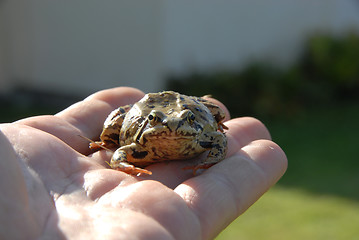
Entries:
{"x":53,"y":186}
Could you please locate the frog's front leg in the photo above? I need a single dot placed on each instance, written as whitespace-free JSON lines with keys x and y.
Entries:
{"x":123,"y":157}
{"x":216,"y":142}
{"x":112,"y":126}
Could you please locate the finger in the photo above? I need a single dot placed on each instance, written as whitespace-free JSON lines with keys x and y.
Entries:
{"x":89,"y":114}
{"x":14,"y":196}
{"x":230,"y":187}
{"x":221,"y":105}
{"x":84,"y":118}
{"x":242,"y":131}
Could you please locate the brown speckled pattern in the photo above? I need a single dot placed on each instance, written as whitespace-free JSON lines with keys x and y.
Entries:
{"x":164,"y":126}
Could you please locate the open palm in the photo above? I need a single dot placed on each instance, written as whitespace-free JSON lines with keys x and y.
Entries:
{"x":53,"y":186}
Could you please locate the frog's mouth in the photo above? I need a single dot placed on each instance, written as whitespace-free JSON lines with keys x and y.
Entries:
{"x":164,"y":137}
{"x":163,"y":133}
{"x":166,"y":132}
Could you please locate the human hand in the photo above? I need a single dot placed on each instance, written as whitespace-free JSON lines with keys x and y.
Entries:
{"x":53,"y":186}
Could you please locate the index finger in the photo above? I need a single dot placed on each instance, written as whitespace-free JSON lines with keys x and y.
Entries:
{"x":88,"y":115}
{"x":221,"y":194}
{"x":84,"y":118}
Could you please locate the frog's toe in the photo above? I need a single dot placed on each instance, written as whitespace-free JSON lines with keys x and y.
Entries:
{"x":134,"y":170}
{"x":128,"y":168}
{"x":95,"y":145}
{"x":198,"y":167}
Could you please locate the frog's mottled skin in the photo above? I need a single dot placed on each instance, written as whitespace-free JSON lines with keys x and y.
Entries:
{"x":164,"y":126}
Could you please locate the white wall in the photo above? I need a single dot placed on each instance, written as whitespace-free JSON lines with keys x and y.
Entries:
{"x":210,"y":34}
{"x":5,"y":83}
{"x":86,"y":45}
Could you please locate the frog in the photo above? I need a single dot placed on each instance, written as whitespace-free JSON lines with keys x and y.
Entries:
{"x":164,"y":126}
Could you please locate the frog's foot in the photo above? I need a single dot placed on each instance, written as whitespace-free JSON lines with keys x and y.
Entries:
{"x":96,"y":145}
{"x":119,"y":162}
{"x":200,"y":166}
{"x":128,"y":168}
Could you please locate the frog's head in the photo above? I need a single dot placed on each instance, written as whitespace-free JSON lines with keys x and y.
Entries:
{"x":183,"y":124}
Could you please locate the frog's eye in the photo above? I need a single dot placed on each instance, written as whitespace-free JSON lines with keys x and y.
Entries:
{"x":190,"y":117}
{"x":154,"y":117}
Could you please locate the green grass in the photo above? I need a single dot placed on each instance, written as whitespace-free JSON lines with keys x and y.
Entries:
{"x":289,"y":213}
{"x":322,"y":149}
{"x":318,"y":197}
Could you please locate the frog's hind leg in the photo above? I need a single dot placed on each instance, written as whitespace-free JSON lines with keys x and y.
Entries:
{"x":217,"y":112}
{"x":217,"y":146}
{"x":121,"y":160}
{"x":112,"y":126}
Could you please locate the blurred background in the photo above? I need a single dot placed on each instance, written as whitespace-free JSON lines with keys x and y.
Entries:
{"x":292,"y":64}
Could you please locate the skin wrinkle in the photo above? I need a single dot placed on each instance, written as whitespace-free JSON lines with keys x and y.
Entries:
{"x":72,"y":185}
{"x":97,"y":219}
{"x":260,"y":176}
{"x":259,"y":145}
{"x":71,"y":180}
{"x":195,"y":199}
{"x":181,"y":221}
{"x":105,"y":200}
{"x":157,"y":230}
{"x":223,"y":180}
{"x":88,"y":188}
{"x":51,"y":220}
{"x":32,"y":181}
{"x":34,"y":210}
{"x":35,"y":129}
{"x":68,"y":175}
{"x":74,"y":165}
{"x":190,"y":197}
{"x":163,"y":212}
{"x":73,"y":172}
